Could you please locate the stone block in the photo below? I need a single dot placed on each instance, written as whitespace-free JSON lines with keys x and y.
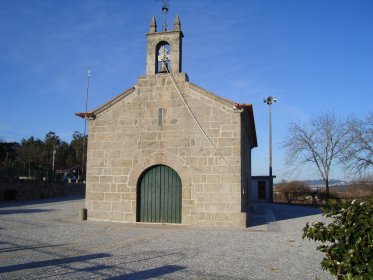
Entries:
{"x":106,"y":179}
{"x":148,"y":144}
{"x":186,"y":193}
{"x":179,"y":143}
{"x":130,"y":217}
{"x":133,"y":206}
{"x":173,"y":151}
{"x":149,"y":136}
{"x":237,"y":153}
{"x":120,"y":179}
{"x":198,"y":178}
{"x":119,"y":162}
{"x":123,"y":206}
{"x":113,"y":196}
{"x":117,"y":171}
{"x":228,"y":142}
{"x":202,"y":161}
{"x":99,"y":215}
{"x":206,"y":222}
{"x":230,"y":127}
{"x":214,"y":207}
{"x":213,"y":179}
{"x":224,"y":197}
{"x":118,"y":217}
{"x":92,"y":171}
{"x":93,"y":179}
{"x":95,"y":196}
{"x":217,"y":188}
{"x":186,"y":220}
{"x":122,"y":188}
{"x":205,"y":216}
{"x":185,"y":152}
{"x":226,"y":134}
{"x":101,"y":187}
{"x":197,"y":188}
{"x":201,"y":197}
{"x":223,"y":217}
{"x":101,"y":206}
{"x":191,"y":160}
{"x":230,"y":178}
{"x":129,"y":196}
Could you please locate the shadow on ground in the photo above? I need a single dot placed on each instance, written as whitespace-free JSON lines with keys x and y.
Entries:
{"x":13,"y":248}
{"x":7,"y":204}
{"x":23,"y":211}
{"x":91,"y":263}
{"x":286,"y":212}
{"x":53,"y":262}
{"x":265,"y":213}
{"x":150,"y":273}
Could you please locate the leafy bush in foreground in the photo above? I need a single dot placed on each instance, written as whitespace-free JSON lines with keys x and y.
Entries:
{"x":349,"y":240}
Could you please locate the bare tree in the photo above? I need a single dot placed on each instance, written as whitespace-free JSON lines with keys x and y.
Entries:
{"x":359,"y":155}
{"x":319,"y":143}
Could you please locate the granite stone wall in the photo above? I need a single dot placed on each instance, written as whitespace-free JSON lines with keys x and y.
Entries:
{"x":148,"y":125}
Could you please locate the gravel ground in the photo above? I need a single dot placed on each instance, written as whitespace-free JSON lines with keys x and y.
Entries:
{"x":45,"y":240}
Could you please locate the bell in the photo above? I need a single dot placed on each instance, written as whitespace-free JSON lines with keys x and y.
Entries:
{"x":164,"y":67}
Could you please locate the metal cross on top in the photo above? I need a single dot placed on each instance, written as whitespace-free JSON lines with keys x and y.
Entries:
{"x":164,"y":12}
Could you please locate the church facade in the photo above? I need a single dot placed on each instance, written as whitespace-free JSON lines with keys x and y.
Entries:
{"x":167,"y":150}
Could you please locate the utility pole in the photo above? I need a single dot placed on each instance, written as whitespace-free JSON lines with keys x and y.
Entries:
{"x":53,"y":160}
{"x":85,"y":122}
{"x":270,"y":100}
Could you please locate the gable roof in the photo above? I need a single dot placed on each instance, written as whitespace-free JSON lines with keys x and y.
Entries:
{"x":212,"y":96}
{"x":247,"y":109}
{"x":113,"y":101}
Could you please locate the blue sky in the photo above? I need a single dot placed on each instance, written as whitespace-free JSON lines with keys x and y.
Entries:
{"x":314,"y":56}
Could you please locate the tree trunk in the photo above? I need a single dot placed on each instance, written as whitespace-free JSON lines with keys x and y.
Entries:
{"x":327,"y":187}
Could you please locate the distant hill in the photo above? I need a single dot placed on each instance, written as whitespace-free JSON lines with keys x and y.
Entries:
{"x":332,"y":182}
{"x":320,"y":183}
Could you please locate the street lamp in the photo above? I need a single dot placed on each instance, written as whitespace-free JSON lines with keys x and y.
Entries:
{"x":270,"y":100}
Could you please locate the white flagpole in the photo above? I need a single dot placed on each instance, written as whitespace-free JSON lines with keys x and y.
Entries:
{"x":85,"y":122}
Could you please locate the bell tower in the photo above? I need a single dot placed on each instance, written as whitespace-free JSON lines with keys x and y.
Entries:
{"x":164,"y":48}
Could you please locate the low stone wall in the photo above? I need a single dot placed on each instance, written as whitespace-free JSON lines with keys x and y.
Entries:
{"x":30,"y":190}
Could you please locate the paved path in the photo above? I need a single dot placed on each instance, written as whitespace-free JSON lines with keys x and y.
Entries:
{"x":45,"y":240}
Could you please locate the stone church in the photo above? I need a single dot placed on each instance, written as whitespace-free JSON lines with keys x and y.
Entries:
{"x":168,"y":151}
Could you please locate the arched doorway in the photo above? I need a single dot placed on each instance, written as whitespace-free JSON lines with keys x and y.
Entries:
{"x":159,"y":195}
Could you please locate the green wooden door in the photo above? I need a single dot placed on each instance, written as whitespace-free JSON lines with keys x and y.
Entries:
{"x":159,"y":196}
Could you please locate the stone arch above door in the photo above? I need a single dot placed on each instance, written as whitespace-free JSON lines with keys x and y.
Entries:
{"x":168,"y":159}
{"x":175,"y":163}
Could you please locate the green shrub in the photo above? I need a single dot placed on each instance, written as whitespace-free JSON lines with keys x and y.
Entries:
{"x":347,"y":240}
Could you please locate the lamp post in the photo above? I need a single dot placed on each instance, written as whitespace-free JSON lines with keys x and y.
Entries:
{"x":270,"y":100}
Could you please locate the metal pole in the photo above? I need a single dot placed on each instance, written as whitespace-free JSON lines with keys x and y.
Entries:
{"x":270,"y":154}
{"x":54,"y":156}
{"x":269,"y":101}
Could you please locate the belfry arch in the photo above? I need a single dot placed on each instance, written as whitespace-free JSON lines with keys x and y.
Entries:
{"x":163,"y":57}
{"x":172,"y":39}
